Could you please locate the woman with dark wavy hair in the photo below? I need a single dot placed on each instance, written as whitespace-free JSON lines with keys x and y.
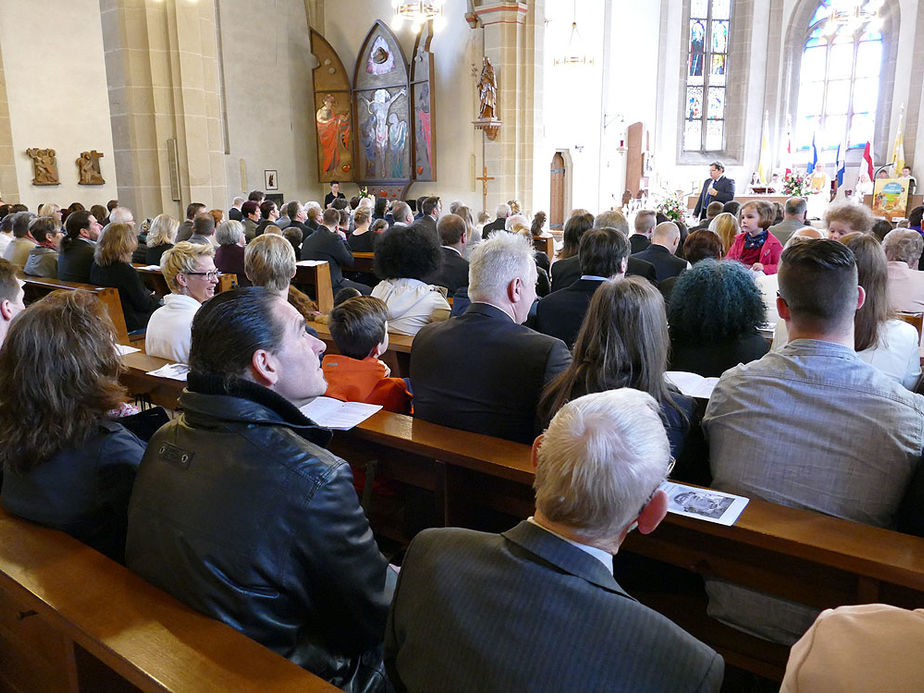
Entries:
{"x":623,"y":342}
{"x":67,"y":464}
{"x":404,"y":258}
{"x":716,"y":308}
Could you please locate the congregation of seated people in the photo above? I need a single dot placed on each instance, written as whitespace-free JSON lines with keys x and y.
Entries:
{"x":236,"y":507}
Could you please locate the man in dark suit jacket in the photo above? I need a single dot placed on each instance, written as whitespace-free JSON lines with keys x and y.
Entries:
{"x":75,"y":255}
{"x":431,"y":213}
{"x":566,"y":272}
{"x":503,"y":211}
{"x":493,"y":388}
{"x":235,"y":214}
{"x":453,"y":271}
{"x":603,"y":255}
{"x":660,"y":253}
{"x":716,"y":188}
{"x":537,"y":608}
{"x":324,"y":244}
{"x":645,"y":221}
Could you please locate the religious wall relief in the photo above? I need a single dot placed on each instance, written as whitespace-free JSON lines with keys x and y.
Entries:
{"x":44,"y":166}
{"x":487,"y":100}
{"x":88,"y":166}
{"x":423,"y":107}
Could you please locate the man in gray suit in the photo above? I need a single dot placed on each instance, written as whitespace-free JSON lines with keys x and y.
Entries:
{"x":537,"y":608}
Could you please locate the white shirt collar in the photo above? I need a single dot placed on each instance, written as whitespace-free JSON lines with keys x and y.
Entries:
{"x":604,"y":557}
{"x":455,"y":249}
{"x":594,"y":277}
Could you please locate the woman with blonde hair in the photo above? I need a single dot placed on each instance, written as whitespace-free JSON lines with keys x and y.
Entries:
{"x":191,"y":275}
{"x":726,"y":227}
{"x":269,"y":261}
{"x":112,"y":267}
{"x":161,"y":237}
{"x":74,"y":469}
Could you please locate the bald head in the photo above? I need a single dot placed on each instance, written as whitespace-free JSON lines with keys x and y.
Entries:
{"x":806,"y":232}
{"x":666,"y":234}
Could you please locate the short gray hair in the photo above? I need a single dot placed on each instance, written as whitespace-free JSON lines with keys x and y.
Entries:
{"x":229,"y":232}
{"x":503,"y":210}
{"x":645,"y":221}
{"x":602,"y":458}
{"x":903,"y":245}
{"x":238,"y":201}
{"x":612,"y":219}
{"x":121,"y":215}
{"x":498,"y":261}
{"x":666,"y":231}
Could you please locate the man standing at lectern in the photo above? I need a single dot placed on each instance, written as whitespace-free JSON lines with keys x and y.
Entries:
{"x":716,"y":188}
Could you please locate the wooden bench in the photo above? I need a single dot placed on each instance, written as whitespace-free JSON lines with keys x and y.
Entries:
{"x":796,"y":554}
{"x":73,"y":620}
{"x":154,"y":281}
{"x":37,"y":287}
{"x":364,"y":263}
{"x":317,"y":276}
{"x":545,"y":245}
{"x":398,"y":355}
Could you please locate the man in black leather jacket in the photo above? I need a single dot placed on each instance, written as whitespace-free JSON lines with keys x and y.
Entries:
{"x":239,"y":511}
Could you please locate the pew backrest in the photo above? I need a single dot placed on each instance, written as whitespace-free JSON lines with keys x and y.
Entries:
{"x":37,"y":287}
{"x":73,"y":620}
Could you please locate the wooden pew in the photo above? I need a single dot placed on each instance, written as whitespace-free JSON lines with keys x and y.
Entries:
{"x":317,"y":276}
{"x":398,"y":355}
{"x":545,"y":245}
{"x":154,"y":281}
{"x":796,"y":554}
{"x":37,"y":287}
{"x":73,"y":620}
{"x":364,"y":262}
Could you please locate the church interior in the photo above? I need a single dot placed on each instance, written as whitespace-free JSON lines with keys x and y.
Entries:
{"x":572,"y":108}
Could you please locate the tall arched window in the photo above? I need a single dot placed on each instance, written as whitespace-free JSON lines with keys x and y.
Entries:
{"x":838,"y":81}
{"x":707,"y":64}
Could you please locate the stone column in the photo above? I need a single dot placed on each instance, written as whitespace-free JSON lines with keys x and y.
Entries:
{"x":509,"y":43}
{"x":9,"y":185}
{"x":163,"y":74}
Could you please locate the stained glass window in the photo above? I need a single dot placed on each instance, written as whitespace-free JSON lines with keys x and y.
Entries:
{"x":707,"y":63}
{"x":838,"y":82}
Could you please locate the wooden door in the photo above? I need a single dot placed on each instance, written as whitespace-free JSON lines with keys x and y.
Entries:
{"x":557,"y":210}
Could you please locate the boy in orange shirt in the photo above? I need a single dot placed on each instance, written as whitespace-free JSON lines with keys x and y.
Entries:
{"x":360,"y":331}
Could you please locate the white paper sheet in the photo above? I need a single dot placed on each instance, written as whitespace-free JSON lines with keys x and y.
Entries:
{"x":703,"y":503}
{"x":174,"y":371}
{"x":310,"y":263}
{"x":341,"y":416}
{"x":692,"y":384}
{"x":152,"y":268}
{"x":124,"y":349}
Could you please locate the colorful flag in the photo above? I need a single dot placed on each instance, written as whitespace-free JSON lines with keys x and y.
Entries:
{"x":841,"y":163}
{"x":788,"y":144}
{"x":898,"y":149}
{"x":764,"y":164}
{"x":814,"y":162}
{"x":868,"y":158}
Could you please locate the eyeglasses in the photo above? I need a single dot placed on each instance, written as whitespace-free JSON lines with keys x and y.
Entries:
{"x":214,"y":274}
{"x":667,"y":474}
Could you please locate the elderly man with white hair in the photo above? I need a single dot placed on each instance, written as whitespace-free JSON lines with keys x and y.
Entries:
{"x":903,"y":249}
{"x":537,"y":607}
{"x":495,"y":389}
{"x":500,"y":222}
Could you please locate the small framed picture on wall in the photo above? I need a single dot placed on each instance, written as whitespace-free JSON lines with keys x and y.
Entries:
{"x":270,"y":179}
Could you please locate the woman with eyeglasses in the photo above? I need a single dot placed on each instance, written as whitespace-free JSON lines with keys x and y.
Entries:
{"x":189,"y":269}
{"x":73,"y":468}
{"x":623,"y":342}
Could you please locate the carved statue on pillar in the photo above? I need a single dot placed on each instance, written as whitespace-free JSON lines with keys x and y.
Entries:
{"x":44,"y":166}
{"x":487,"y":90}
{"x":88,"y":165}
{"x":487,"y":95}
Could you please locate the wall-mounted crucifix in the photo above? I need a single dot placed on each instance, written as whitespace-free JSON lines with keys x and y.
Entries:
{"x":484,"y":178}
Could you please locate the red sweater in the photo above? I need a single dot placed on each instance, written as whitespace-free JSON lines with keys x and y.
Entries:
{"x":770,"y":252}
{"x":353,"y":380}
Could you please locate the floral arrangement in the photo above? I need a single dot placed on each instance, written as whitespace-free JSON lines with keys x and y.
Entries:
{"x":796,"y":183}
{"x":672,"y":207}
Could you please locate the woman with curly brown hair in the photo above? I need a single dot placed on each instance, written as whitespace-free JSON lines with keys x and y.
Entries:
{"x":67,"y":464}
